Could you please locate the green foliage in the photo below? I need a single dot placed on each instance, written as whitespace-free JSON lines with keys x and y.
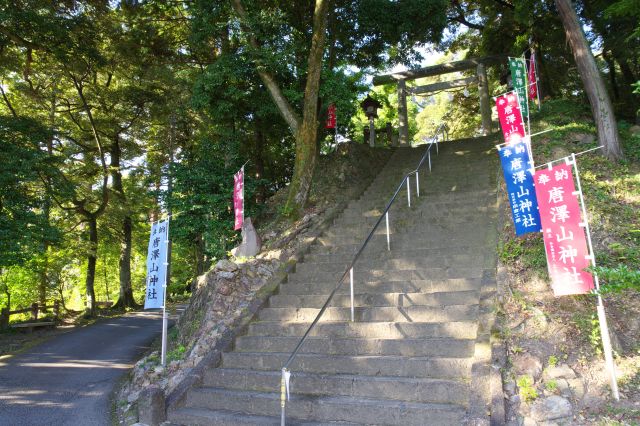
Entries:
{"x":551,"y":385}
{"x":617,"y":279}
{"x":23,"y":226}
{"x":528,"y":391}
{"x":553,"y":361}
{"x":589,"y":330}
{"x":176,"y":354}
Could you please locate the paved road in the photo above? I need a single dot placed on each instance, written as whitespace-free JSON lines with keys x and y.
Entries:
{"x":68,"y":380}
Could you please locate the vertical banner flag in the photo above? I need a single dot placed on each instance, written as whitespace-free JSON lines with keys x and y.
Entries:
{"x":331,"y":117}
{"x":564,"y":236}
{"x":238,"y":198}
{"x":519,"y":81}
{"x":157,"y":265}
{"x":517,"y":170}
{"x":533,"y":78}
{"x":510,"y":118}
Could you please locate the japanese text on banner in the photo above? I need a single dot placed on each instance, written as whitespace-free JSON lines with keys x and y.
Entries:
{"x":157,"y":265}
{"x":564,"y":239}
{"x":331,"y":117}
{"x":519,"y":81}
{"x":238,"y":199}
{"x":517,"y":170}
{"x":533,"y":78}
{"x":510,"y":118}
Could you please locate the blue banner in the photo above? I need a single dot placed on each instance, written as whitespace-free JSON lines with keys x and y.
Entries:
{"x":517,"y":170}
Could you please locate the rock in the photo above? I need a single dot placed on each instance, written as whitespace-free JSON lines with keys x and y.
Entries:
{"x":577,"y":388}
{"x":225,"y":290}
{"x":563,"y":387}
{"x":560,"y":371}
{"x":151,"y":409}
{"x":586,"y":139}
{"x":550,"y":408}
{"x":635,"y":130}
{"x":133,"y":397}
{"x":226,"y":275}
{"x":510,"y":388}
{"x":527,"y":364}
{"x":251,"y":242}
{"x":226,"y":265}
{"x":528,"y":421}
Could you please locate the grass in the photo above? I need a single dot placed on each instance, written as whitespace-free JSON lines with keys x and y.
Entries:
{"x":528,"y":392}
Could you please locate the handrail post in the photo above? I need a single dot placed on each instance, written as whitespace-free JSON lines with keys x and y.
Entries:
{"x":408,"y":191}
{"x":351,"y":286}
{"x":417,"y":183}
{"x":388,"y":236}
{"x":437,"y":145}
{"x":429,"y":160}
{"x":283,"y":396}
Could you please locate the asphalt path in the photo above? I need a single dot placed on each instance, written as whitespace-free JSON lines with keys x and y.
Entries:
{"x":68,"y":379}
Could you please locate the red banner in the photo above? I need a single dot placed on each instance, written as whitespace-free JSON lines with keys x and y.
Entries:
{"x":510,"y":117}
{"x":331,"y":117}
{"x":564,"y":237}
{"x":238,"y":198}
{"x":533,"y":81}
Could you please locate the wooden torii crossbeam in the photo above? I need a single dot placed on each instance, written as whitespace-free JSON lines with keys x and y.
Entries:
{"x":400,"y":78}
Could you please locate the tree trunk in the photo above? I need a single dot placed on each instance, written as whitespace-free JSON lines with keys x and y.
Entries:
{"x":44,"y":281}
{"x":612,"y":75}
{"x":126,"y":299}
{"x":601,"y":106}
{"x":124,"y":264}
{"x":306,"y":146}
{"x":201,"y":263}
{"x":92,"y":257}
{"x":261,"y":190}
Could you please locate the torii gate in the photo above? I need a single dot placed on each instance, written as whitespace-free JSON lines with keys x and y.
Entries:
{"x":481,"y":78}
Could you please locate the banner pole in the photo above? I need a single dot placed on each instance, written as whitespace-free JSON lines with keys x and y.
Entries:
{"x":526,"y":98}
{"x":602,"y":318}
{"x":535,"y":70}
{"x":165,"y":321}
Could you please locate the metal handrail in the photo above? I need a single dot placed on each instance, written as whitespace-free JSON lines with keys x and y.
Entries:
{"x":441,"y":129}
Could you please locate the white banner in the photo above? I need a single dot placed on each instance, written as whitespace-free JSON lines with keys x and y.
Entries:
{"x":157,"y":265}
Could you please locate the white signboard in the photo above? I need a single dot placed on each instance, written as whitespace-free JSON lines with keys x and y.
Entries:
{"x":157,"y":265}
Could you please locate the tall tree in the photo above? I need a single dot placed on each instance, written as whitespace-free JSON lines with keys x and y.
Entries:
{"x":594,"y":87}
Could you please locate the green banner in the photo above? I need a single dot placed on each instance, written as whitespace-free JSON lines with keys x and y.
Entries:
{"x":519,"y":81}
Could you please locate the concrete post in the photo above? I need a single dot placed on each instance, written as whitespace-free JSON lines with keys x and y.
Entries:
{"x":403,"y":118}
{"x":151,"y":406}
{"x":485,"y":105}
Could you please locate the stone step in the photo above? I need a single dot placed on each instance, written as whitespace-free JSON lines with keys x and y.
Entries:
{"x":321,"y":253}
{"x":381,"y":330}
{"x":393,"y":388}
{"x":397,"y":314}
{"x":328,"y":408}
{"x":452,"y":348}
{"x":425,"y":229}
{"x":206,"y":417}
{"x":447,"y":253}
{"x":377,"y":299}
{"x":390,"y":274}
{"x":397,"y":264}
{"x":378,"y":243}
{"x":380,"y":287}
{"x":450,"y":200}
{"x":366,"y":365}
{"x":435,"y":217}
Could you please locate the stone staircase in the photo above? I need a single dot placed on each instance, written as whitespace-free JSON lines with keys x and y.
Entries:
{"x":408,"y":357}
